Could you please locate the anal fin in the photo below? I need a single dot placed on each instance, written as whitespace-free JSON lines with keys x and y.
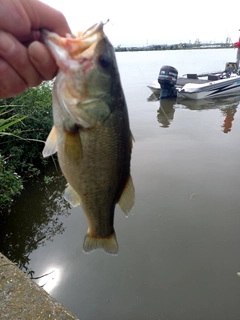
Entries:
{"x":127,"y":198}
{"x":71,"y":196}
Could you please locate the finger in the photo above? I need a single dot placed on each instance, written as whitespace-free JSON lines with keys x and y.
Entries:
{"x":11,"y":83}
{"x":14,"y":19}
{"x":43,"y":16}
{"x":29,"y":16}
{"x":42,"y":60}
{"x":33,"y":36}
{"x":16,"y":55}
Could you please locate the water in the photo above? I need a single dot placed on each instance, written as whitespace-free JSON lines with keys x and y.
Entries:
{"x":179,"y":248}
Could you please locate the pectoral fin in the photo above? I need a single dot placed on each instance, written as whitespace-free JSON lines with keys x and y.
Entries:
{"x":127,"y":198}
{"x":51,"y":143}
{"x":73,"y":144}
{"x":71,"y":196}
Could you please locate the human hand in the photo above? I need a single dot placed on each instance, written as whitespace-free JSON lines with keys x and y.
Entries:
{"x":25,"y":61}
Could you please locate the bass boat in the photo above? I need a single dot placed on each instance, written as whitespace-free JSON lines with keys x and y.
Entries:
{"x":197,"y":86}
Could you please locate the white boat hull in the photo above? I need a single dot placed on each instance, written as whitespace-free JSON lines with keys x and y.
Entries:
{"x":212,"y":89}
{"x":197,"y":86}
{"x":155,"y":87}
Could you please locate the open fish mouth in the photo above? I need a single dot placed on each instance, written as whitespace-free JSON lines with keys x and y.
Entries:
{"x":74,"y":45}
{"x":71,"y":51}
{"x":98,"y":27}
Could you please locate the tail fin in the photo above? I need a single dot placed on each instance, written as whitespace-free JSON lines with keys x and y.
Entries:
{"x":109,"y":244}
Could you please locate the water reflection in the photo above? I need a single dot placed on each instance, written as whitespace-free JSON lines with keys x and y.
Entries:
{"x":229,"y":113}
{"x":50,"y":279}
{"x":165,"y":113}
{"x":33,"y":220}
{"x":228,"y":107}
{"x":209,"y":104}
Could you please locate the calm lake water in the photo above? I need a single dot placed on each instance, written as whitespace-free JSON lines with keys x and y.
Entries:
{"x":179,"y":249}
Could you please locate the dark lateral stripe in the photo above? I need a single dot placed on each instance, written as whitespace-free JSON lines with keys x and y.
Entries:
{"x":219,"y":85}
{"x":225,"y":88}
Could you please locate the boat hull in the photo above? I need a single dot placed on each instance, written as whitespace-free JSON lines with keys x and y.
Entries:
{"x":209,"y":90}
{"x":155,"y":87}
{"x":214,"y":89}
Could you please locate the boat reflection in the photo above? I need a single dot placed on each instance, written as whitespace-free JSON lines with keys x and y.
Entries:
{"x":228,"y":107}
{"x":165,"y":113}
{"x":203,"y":104}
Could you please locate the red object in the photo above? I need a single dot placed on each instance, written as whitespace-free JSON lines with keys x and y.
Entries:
{"x":237,"y":44}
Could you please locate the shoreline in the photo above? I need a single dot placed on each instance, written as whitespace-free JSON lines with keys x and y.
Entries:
{"x":22,"y":298}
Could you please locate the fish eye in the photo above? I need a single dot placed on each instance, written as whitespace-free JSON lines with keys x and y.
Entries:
{"x":104,"y":61}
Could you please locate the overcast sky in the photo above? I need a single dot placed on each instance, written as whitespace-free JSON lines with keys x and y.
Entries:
{"x":138,"y":23}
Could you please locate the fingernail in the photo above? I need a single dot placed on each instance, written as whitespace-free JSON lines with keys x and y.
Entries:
{"x":36,"y":52}
{"x":7,"y":43}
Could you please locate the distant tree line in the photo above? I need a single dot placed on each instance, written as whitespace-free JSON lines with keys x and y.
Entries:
{"x":180,"y":46}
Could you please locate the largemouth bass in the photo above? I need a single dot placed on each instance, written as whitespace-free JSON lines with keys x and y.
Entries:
{"x":91,"y":133}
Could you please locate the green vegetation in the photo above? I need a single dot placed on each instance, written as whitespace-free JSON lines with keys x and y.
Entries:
{"x":25,"y":122}
{"x":11,"y":184}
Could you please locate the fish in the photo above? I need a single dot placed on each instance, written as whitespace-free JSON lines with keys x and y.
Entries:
{"x":91,"y":131}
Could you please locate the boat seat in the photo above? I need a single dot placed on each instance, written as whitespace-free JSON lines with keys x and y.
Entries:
{"x":213,"y":77}
{"x":231,"y":66}
{"x":192,"y":76}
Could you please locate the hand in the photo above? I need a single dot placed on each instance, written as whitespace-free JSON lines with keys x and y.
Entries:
{"x":24,"y":59}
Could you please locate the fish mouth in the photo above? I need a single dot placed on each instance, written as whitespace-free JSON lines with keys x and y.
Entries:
{"x":74,"y":45}
{"x":70,"y":51}
{"x":98,"y":27}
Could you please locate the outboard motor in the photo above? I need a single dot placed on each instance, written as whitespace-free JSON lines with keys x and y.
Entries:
{"x":167,"y":79}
